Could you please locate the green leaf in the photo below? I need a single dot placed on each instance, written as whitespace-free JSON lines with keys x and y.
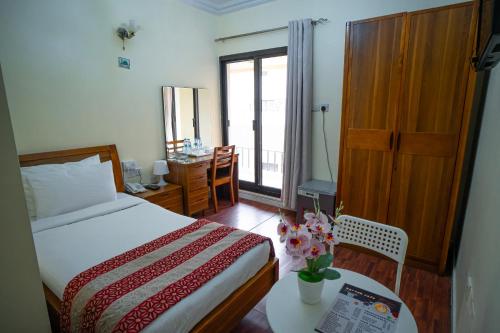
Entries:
{"x":310,"y":277}
{"x":324,"y":261}
{"x":331,"y":274}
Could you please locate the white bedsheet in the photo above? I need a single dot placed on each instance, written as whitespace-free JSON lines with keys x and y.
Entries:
{"x":71,"y":243}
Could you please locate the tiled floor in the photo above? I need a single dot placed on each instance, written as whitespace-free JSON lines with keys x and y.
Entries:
{"x":426,"y":294}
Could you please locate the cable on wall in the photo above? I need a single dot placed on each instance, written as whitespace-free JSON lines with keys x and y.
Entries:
{"x":326,"y":146}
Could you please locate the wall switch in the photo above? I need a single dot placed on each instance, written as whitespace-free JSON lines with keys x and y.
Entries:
{"x":469,"y":283}
{"x":469,"y":299}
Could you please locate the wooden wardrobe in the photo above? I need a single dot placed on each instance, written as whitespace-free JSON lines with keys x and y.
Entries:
{"x":408,"y":86}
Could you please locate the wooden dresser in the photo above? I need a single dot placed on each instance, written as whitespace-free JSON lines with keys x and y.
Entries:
{"x":168,"y":197}
{"x":192,"y":175}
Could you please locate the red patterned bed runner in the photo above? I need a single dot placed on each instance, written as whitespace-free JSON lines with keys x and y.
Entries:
{"x":129,"y":291}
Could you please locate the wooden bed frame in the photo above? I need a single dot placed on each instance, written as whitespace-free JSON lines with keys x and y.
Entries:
{"x":221,"y":319}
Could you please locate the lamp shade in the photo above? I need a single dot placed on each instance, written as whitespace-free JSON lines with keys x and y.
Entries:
{"x":160,"y":168}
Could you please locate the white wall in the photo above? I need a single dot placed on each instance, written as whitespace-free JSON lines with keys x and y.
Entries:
{"x":478,"y":256}
{"x":22,"y":305}
{"x":328,"y":50}
{"x":66,"y":90}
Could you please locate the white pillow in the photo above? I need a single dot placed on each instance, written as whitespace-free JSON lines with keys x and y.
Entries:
{"x":65,"y":190}
{"x":27,"y":171}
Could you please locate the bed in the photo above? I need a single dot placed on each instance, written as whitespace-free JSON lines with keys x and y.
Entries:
{"x":70,"y":243}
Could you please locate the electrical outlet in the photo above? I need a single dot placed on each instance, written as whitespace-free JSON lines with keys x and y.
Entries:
{"x":130,"y":169}
{"x":324,"y":107}
{"x":321,"y":108}
{"x":129,"y":165}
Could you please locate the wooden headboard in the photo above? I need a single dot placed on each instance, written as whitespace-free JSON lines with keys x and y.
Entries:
{"x":106,"y":153}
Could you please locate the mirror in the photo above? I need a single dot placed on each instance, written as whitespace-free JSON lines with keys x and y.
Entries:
{"x":188,"y":114}
{"x":180,"y":108}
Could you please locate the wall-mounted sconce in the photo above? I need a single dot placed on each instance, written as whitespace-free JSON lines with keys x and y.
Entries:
{"x":127,"y":32}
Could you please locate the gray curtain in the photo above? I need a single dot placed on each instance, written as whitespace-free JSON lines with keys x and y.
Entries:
{"x":298,"y":145}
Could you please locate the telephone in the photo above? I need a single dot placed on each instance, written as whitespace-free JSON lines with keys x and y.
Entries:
{"x":134,"y":188}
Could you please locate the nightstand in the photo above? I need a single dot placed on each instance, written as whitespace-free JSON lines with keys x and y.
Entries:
{"x":168,"y":197}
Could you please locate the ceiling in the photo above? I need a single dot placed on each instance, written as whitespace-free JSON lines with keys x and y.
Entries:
{"x":220,"y":7}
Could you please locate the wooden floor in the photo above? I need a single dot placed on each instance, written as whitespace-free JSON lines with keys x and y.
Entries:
{"x":426,"y":294}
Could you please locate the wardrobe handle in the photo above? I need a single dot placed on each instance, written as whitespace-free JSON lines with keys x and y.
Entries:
{"x":398,"y":141}
{"x":391,"y":140}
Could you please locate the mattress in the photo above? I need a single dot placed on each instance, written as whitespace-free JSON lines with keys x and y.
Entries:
{"x":71,"y":243}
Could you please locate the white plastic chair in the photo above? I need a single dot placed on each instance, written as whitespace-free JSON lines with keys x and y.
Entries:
{"x":384,"y":239}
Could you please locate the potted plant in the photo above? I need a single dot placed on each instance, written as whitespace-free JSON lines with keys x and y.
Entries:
{"x":313,"y":242}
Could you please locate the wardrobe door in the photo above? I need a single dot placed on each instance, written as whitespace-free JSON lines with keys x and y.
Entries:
{"x":372,"y":78}
{"x":432,"y":103}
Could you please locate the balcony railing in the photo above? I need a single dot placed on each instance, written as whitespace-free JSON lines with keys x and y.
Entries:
{"x":272,"y":166}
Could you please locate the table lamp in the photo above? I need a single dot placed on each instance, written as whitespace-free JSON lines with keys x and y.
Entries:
{"x":160,"y":168}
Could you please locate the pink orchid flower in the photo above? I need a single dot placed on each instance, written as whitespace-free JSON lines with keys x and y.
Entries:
{"x":331,"y":239}
{"x":297,"y":244}
{"x":297,"y":228}
{"x":315,"y":250}
{"x":283,"y":230}
{"x":310,"y":217}
{"x":323,"y":217}
{"x":308,"y":225}
{"x":320,"y":228}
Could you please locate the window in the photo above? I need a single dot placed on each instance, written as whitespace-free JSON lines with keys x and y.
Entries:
{"x":253,"y":114}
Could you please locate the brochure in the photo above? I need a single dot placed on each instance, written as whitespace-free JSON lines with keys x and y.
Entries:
{"x":359,"y":311}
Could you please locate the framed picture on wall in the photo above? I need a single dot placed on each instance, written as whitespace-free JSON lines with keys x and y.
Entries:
{"x":124,"y":63}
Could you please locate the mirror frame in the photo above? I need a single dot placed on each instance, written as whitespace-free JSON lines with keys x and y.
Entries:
{"x":196,"y":112}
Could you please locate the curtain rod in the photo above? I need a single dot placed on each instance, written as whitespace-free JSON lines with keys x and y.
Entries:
{"x":222,"y":39}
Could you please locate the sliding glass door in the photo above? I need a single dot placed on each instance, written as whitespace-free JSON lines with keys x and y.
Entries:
{"x":240,"y":126}
{"x":253,"y":114}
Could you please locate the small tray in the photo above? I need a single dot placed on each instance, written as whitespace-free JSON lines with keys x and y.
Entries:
{"x":200,"y":153}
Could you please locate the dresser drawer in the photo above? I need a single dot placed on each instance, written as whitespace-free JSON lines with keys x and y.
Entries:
{"x":198,"y":195}
{"x":176,"y":208}
{"x":197,"y":183}
{"x":167,"y":201}
{"x":170,"y":199}
{"x":196,"y":170}
{"x":198,"y":200}
{"x":198,"y":206}
{"x":165,"y":196}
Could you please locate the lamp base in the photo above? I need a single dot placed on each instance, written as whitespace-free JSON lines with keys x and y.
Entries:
{"x":162,"y":182}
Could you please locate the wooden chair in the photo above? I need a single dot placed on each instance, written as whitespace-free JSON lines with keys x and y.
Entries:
{"x":174,"y":146}
{"x":221,"y":172}
{"x":384,"y":239}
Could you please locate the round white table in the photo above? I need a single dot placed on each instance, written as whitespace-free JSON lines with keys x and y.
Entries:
{"x":286,"y":313}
